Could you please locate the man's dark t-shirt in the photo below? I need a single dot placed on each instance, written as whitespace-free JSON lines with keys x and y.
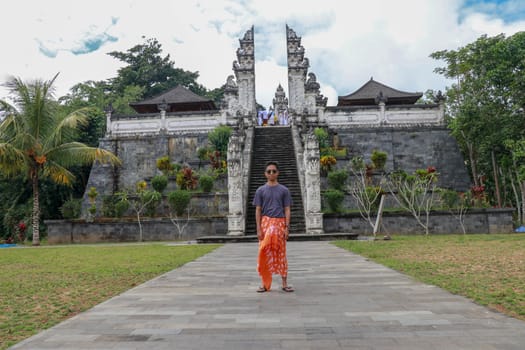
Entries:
{"x":273,"y":200}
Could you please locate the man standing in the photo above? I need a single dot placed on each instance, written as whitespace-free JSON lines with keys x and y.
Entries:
{"x":272,"y":217}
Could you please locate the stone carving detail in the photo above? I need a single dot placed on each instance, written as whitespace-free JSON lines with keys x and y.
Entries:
{"x":312,"y":184}
{"x":280,"y":102}
{"x":235,"y":185}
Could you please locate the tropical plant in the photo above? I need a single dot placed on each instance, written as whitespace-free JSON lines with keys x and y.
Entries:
{"x":337,"y":179}
{"x":206,"y":183}
{"x":334,"y":199}
{"x":179,"y":202}
{"x":415,"y":193}
{"x":327,"y":162}
{"x":187,"y":179}
{"x":219,"y":138}
{"x":159,"y":183}
{"x":37,"y":140}
{"x":378,"y":158}
{"x":71,"y":208}
{"x":322,"y":137}
{"x":139,"y":200}
{"x":164,"y":165}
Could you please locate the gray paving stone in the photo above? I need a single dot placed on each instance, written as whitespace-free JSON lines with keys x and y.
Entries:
{"x":342,"y":301}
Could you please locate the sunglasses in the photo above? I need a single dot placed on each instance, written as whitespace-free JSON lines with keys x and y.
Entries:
{"x":271,"y":171}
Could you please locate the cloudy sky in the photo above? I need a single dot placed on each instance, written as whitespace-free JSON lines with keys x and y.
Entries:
{"x":347,"y":42}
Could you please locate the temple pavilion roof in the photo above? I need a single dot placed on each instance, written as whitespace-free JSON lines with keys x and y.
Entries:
{"x":373,"y":91}
{"x":178,"y":99}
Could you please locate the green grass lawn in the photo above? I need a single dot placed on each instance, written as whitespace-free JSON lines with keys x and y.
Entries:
{"x":39,"y":287}
{"x":489,"y":269}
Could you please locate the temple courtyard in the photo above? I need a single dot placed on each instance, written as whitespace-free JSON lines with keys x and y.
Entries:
{"x":342,"y":301}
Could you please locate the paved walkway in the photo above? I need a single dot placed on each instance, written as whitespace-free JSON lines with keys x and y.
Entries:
{"x":342,"y":301}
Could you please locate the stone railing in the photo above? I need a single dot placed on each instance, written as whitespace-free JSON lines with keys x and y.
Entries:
{"x":171,"y":123}
{"x":384,"y":116}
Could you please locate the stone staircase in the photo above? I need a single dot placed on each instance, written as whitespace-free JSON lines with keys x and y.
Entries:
{"x":275,"y":143}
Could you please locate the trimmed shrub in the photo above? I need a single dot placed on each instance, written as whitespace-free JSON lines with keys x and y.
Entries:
{"x":334,"y":199}
{"x":206,"y":183}
{"x":71,"y":208}
{"x":178,"y":201}
{"x":337,"y":179}
{"x":159,"y":183}
{"x":378,"y":158}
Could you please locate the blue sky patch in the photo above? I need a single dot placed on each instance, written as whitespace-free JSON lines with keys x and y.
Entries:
{"x":93,"y":44}
{"x":507,"y":10}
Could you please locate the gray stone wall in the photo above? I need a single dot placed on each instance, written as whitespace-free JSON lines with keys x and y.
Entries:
{"x":441,"y":222}
{"x":158,"y":229}
{"x":408,"y":149}
{"x":139,"y":155}
{"x":161,"y":229}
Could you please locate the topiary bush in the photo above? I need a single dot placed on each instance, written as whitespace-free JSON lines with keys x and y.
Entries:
{"x":334,"y":199}
{"x":71,"y":208}
{"x":378,"y":158}
{"x":159,"y":183}
{"x":337,"y":179}
{"x":206,"y":183}
{"x":178,"y":201}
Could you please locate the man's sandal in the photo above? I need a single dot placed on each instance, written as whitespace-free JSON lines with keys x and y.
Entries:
{"x":262,"y":290}
{"x":288,"y":289}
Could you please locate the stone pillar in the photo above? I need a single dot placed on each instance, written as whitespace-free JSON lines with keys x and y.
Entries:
{"x":244,"y":69}
{"x":109,"y":112}
{"x":235,"y":187}
{"x":297,"y":69}
{"x":440,"y":100}
{"x":381,"y":101}
{"x":313,"y":215}
{"x":162,"y":107}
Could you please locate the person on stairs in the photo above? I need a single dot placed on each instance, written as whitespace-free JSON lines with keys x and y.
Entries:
{"x":272,"y":216}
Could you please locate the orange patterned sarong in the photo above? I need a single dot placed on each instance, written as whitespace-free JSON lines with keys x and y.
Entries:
{"x":272,"y":250}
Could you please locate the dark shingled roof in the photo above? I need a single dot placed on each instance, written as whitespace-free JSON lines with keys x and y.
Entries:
{"x":178,"y":99}
{"x":369,"y":92}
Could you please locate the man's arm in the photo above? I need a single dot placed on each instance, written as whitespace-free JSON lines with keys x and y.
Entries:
{"x":258,"y":223}
{"x":287,"y":214}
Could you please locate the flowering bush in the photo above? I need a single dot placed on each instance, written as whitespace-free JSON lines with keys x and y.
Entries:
{"x":327,"y":162}
{"x":187,"y":179}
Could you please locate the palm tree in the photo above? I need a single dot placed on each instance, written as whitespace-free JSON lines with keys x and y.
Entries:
{"x":36,"y":139}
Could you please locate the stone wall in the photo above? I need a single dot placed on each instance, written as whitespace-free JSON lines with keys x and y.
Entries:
{"x":441,"y":222}
{"x":161,"y":229}
{"x":409,"y":148}
{"x":113,"y":230}
{"x":139,"y":155}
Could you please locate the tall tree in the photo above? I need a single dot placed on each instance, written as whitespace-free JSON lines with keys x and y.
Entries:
{"x":35,"y":140}
{"x":485,"y":103}
{"x":155,"y":74}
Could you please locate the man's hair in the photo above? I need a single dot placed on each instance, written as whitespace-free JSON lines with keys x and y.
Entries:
{"x":272,"y":162}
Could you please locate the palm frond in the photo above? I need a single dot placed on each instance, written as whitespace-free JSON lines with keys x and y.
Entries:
{"x":12,"y":160}
{"x":66,"y":126}
{"x":58,"y":174}
{"x":76,"y":153}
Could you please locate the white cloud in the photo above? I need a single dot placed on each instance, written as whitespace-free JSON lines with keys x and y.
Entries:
{"x":347,"y":42}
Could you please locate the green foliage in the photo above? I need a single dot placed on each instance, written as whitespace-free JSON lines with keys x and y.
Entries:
{"x":152,"y":200}
{"x":187,"y":179}
{"x":322,"y":137}
{"x":71,"y":208}
{"x":114,"y":207}
{"x":206,"y":182}
{"x":147,"y":69}
{"x":337,"y":179}
{"x":165,"y":166}
{"x":334,"y":199}
{"x":378,"y":158}
{"x":159,"y":183}
{"x":178,"y":201}
{"x":92,"y":194}
{"x":37,"y":140}
{"x":484,"y":106}
{"x":219,"y":138}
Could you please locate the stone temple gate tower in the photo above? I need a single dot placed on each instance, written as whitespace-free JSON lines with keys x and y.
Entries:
{"x":244,"y":69}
